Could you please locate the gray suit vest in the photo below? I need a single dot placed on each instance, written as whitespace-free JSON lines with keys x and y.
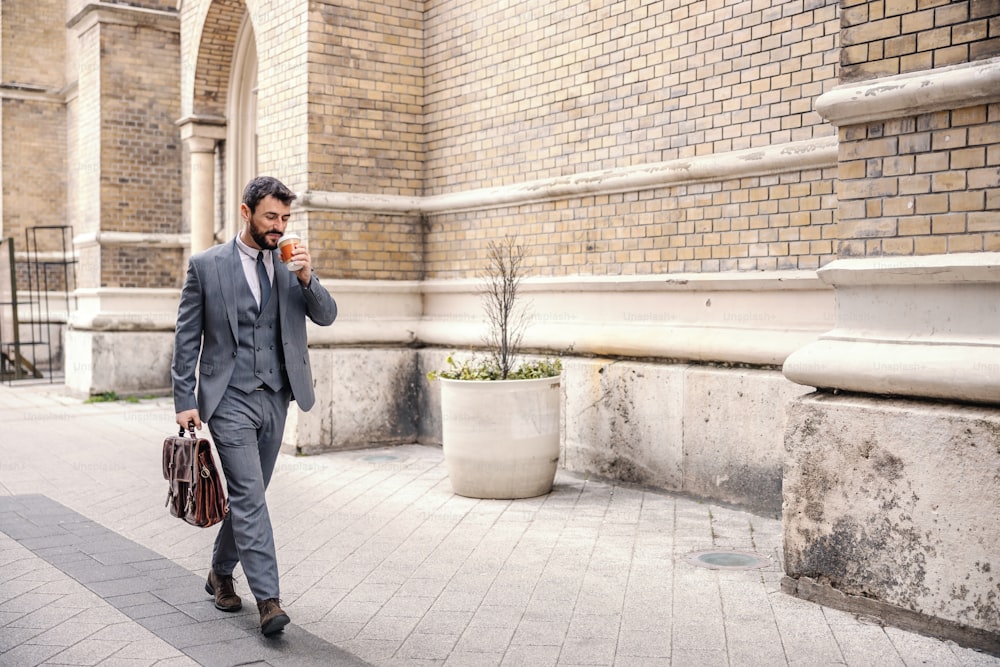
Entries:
{"x":259,"y":357}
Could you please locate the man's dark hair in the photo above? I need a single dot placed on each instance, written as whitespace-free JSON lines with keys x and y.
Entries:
{"x":261,"y":187}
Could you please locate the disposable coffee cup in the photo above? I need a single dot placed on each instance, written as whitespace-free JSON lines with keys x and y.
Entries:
{"x":286,"y":245}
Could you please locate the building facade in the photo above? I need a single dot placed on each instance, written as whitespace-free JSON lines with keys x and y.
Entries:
{"x":727,"y":204}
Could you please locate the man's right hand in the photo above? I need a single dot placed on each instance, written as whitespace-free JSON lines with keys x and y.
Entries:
{"x":188,"y":416}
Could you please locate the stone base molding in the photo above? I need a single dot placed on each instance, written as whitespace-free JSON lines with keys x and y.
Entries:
{"x":750,"y":318}
{"x":128,"y":363}
{"x":925,"y":326}
{"x":706,"y":431}
{"x":125,"y":309}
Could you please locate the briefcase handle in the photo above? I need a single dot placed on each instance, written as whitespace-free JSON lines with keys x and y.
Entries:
{"x":192,"y":435}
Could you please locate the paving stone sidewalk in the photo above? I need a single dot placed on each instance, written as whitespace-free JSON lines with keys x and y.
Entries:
{"x":382,"y":565}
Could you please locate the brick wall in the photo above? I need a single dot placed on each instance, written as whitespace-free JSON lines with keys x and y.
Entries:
{"x":366,"y":97}
{"x":517,"y":91}
{"x":887,"y":37}
{"x":124,"y":147}
{"x":364,"y":133}
{"x":140,"y":104}
{"x":32,"y":44}
{"x":137,"y":266}
{"x":760,"y":223}
{"x":33,"y":36}
{"x":209,"y":55}
{"x":140,"y":167}
{"x":367,"y":246}
{"x":543,"y":89}
{"x":921,"y":185}
{"x":927,"y":183}
{"x":282,"y":34}
{"x":85,"y":171}
{"x":442,"y":97}
{"x":34,"y":190}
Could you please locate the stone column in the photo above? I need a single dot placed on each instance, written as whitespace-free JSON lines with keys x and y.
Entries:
{"x":200,"y":136}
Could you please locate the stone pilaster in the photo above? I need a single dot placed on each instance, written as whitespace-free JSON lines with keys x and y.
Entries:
{"x":125,"y":198}
{"x":890,"y":491}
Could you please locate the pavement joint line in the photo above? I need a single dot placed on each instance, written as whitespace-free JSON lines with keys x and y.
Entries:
{"x":156,"y":598}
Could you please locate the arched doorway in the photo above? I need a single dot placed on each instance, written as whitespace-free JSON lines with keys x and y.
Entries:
{"x":219,"y":124}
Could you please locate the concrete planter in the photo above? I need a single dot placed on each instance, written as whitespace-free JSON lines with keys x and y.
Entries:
{"x":501,"y":437}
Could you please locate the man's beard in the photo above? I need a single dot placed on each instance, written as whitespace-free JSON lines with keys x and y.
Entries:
{"x":260,"y":238}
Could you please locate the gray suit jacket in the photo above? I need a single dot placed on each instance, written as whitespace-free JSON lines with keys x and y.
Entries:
{"x":207,"y":328}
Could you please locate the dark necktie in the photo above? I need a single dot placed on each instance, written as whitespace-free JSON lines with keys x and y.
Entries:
{"x":265,"y":282}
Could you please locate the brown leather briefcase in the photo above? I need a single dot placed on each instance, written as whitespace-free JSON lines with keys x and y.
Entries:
{"x":196,"y":493}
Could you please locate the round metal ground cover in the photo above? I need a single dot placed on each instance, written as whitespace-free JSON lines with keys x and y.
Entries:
{"x":716,"y":559}
{"x":379,"y":458}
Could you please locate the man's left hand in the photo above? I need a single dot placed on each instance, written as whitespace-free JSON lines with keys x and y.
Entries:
{"x":301,"y":256}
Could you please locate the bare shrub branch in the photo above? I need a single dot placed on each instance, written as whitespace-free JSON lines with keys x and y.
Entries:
{"x":507,"y":317}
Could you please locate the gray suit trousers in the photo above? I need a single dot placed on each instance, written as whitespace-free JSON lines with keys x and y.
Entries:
{"x":247,"y":430}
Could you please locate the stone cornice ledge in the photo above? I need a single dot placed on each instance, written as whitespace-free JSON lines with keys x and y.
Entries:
{"x":103,"y":238}
{"x":93,"y":13}
{"x":14,"y":91}
{"x":781,"y":158}
{"x":927,"y":327}
{"x":125,"y":309}
{"x":912,"y":94}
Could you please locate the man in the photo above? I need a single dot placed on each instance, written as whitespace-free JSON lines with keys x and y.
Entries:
{"x":242,"y":324}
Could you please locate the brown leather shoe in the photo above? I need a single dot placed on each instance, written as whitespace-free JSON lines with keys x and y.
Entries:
{"x":221,"y":586}
{"x":272,"y":618}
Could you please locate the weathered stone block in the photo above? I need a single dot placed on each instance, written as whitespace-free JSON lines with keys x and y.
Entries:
{"x":733,"y":425}
{"x":125,"y":362}
{"x":624,"y":420}
{"x":710,"y":432}
{"x":893,"y":505}
{"x":364,"y":398}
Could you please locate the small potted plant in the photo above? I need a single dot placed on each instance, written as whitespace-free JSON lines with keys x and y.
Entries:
{"x":500,"y":416}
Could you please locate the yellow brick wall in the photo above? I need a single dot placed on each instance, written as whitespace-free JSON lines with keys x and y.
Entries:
{"x":141,"y":147}
{"x":122,"y":159}
{"x":207,"y":42}
{"x":137,"y":266}
{"x":366,"y":97}
{"x":543,"y":89}
{"x":85,"y":172}
{"x":421,"y":99}
{"x":518,"y":91}
{"x":140,"y":166}
{"x":33,"y":36}
{"x":887,"y":37}
{"x":282,"y":32}
{"x":923,"y":185}
{"x":367,"y":246}
{"x":364,"y":134}
{"x":750,"y":224}
{"x":34,"y":188}
{"x":33,"y":134}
